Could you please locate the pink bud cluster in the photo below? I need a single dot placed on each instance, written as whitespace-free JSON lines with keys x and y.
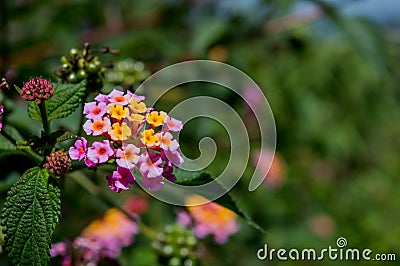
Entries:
{"x":58,"y":162}
{"x":37,"y":89}
{"x":132,"y":135}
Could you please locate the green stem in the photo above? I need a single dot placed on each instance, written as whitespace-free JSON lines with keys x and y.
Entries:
{"x":87,"y":184}
{"x":45,"y":121}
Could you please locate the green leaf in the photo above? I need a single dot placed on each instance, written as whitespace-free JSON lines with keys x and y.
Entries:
{"x":195,"y":178}
{"x":29,"y":216}
{"x":66,"y":98}
{"x":6,"y":145}
{"x":18,"y":89}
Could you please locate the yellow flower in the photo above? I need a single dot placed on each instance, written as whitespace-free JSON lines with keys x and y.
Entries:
{"x":138,"y":107}
{"x":149,"y":138}
{"x":156,"y":118}
{"x":119,"y":131}
{"x":117,"y":111}
{"x":136,"y":118}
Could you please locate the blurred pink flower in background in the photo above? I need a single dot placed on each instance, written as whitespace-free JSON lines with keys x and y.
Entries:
{"x":208,"y":219}
{"x":102,"y":238}
{"x":322,"y":225}
{"x":253,"y":96}
{"x":276,"y":174}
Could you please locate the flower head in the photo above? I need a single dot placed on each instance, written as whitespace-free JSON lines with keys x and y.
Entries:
{"x":100,"y":152}
{"x":58,"y":162}
{"x":135,"y":136}
{"x":37,"y":89}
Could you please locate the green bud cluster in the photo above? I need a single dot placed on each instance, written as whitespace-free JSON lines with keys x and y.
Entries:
{"x":126,"y":73}
{"x":78,"y":65}
{"x":176,"y":245}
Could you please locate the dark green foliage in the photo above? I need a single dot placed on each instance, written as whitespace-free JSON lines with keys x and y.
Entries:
{"x":29,"y":216}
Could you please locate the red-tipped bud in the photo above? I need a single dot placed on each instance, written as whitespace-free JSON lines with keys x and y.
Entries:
{"x":37,"y":89}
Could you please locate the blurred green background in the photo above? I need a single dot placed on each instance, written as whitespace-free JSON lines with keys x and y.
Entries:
{"x":330,"y":71}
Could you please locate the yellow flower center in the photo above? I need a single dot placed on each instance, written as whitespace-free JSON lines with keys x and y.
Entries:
{"x":155,"y":118}
{"x":149,"y":139}
{"x":120,"y":131}
{"x":117,"y":111}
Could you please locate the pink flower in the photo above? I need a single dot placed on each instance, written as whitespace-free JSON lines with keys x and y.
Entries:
{"x":133,"y":96}
{"x":89,"y":163}
{"x":153,"y":184}
{"x":168,"y":172}
{"x":167,"y":142}
{"x":211,"y":219}
{"x":120,"y":179}
{"x":118,"y":97}
{"x":174,"y":157}
{"x":93,"y":110}
{"x":97,"y":127}
{"x":78,"y":151}
{"x":184,"y":219}
{"x":276,"y":173}
{"x":128,"y":156}
{"x":58,"y":249}
{"x":102,"y":98}
{"x":173,"y":124}
{"x":100,"y":152}
{"x":149,"y":166}
{"x":136,"y":205}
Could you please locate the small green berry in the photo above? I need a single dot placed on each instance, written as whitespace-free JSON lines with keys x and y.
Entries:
{"x":174,"y":262}
{"x":82,"y":74}
{"x":73,"y":52}
{"x":72,"y":78}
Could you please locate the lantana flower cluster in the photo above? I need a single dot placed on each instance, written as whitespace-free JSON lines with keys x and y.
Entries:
{"x":208,"y":219}
{"x":134,"y":136}
{"x":103,"y":238}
